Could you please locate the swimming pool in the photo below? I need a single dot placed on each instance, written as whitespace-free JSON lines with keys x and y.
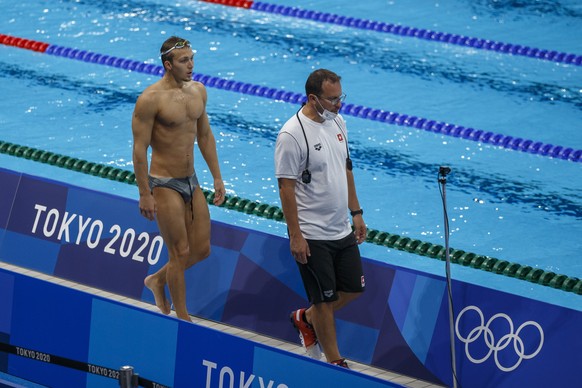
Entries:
{"x":518,"y":206}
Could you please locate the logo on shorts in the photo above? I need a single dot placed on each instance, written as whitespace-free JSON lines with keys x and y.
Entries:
{"x":317,"y":147}
{"x":363,"y":281}
{"x":328,"y":293}
{"x":340,"y":137}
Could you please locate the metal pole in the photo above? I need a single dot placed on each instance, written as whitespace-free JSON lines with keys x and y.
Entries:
{"x":443,"y":171}
{"x":126,"y":377}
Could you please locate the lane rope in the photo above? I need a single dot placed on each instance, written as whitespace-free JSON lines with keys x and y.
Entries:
{"x":247,"y":206}
{"x":406,"y":31}
{"x":388,"y":117}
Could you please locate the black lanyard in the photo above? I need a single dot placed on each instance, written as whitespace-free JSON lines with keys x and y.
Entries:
{"x":306,"y":174}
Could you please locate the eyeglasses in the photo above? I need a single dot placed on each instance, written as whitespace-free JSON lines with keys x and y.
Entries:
{"x":178,"y":45}
{"x":336,"y":100}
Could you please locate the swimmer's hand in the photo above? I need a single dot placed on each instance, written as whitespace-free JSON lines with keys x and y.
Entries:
{"x":219,"y":192}
{"x":147,"y":206}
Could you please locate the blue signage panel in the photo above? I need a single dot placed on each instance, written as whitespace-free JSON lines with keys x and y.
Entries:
{"x":126,"y":336}
{"x":81,"y":235}
{"x":9,"y":181}
{"x":400,"y":323}
{"x":48,"y":320}
{"x":514,"y":341}
{"x":67,"y":338}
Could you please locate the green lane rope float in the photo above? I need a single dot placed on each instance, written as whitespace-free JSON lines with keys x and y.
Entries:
{"x":389,"y":240}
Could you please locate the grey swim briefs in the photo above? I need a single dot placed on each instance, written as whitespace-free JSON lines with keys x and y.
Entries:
{"x":184,"y":186}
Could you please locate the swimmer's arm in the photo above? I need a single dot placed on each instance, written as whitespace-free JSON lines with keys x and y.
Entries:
{"x":142,"y":124}
{"x":207,"y":146}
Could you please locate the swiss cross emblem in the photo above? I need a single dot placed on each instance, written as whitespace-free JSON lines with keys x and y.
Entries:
{"x":340,"y":137}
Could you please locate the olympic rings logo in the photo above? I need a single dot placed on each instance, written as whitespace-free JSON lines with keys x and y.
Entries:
{"x":496,"y":346}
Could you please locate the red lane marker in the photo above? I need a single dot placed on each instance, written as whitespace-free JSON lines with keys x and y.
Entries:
{"x":232,"y":3}
{"x":27,"y":44}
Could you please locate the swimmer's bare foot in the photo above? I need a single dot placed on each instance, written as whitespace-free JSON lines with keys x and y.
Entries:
{"x":185,"y":317}
{"x":159,"y":294}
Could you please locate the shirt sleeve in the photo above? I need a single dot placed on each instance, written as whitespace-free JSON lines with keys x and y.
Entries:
{"x":288,"y":158}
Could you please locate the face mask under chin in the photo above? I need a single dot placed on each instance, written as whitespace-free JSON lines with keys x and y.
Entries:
{"x":326,"y":114}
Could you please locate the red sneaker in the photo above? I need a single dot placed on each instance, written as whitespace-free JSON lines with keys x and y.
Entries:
{"x":306,"y":334}
{"x":341,"y":362}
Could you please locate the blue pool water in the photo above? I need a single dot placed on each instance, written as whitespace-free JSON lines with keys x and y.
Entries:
{"x":515,"y":206}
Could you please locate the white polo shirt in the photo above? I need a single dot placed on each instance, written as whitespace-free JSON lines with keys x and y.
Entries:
{"x":322,"y":205}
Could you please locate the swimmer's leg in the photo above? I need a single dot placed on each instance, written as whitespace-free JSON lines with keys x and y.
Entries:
{"x":171,"y":212}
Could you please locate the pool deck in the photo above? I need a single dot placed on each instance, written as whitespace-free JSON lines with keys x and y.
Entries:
{"x":405,"y":381}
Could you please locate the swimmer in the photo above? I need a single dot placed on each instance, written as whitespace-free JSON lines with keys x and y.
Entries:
{"x":169,"y":116}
